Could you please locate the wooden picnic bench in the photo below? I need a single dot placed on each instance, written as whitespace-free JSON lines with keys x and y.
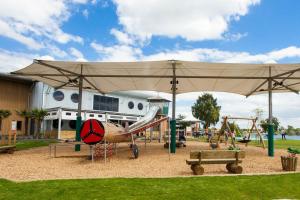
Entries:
{"x":8,"y":149}
{"x":53,"y":146}
{"x":228,"y":157}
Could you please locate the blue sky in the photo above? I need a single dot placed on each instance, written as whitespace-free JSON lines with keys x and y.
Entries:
{"x":256,"y":31}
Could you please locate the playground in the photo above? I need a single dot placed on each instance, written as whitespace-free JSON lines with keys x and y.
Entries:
{"x":154,"y":161}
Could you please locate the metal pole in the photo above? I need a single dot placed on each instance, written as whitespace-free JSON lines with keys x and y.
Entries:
{"x":59,"y":123}
{"x":91,"y":152}
{"x":169,"y":138}
{"x":79,"y":119}
{"x":173,"y":121}
{"x":105,"y":150}
{"x":270,"y":124}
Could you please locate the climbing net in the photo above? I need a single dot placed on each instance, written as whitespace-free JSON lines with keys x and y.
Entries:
{"x":99,"y":150}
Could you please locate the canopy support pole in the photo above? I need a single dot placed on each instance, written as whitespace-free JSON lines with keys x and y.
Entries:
{"x":270,"y":123}
{"x":173,"y":121}
{"x":79,"y":119}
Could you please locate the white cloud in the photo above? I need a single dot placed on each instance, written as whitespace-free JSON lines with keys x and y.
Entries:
{"x":80,"y":1}
{"x":7,"y":30}
{"x":77,"y":54}
{"x":234,"y":37}
{"x":122,"y":38}
{"x":192,"y":20}
{"x":103,"y":3}
{"x":85,"y":13}
{"x":10,"y":61}
{"x":55,"y":51}
{"x":117,"y":52}
{"x":31,"y":20}
{"x":216,"y":55}
{"x":125,"y":52}
{"x":288,"y":52}
{"x":46,"y":57}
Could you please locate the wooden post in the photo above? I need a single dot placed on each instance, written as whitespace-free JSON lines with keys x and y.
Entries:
{"x":15,"y":138}
{"x":9,"y":138}
{"x":105,"y":150}
{"x":260,"y":136}
{"x":12,"y":131}
{"x":230,"y":132}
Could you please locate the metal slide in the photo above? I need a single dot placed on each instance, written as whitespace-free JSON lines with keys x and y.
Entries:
{"x":144,"y":120}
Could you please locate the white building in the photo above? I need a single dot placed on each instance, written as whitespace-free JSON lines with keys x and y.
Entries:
{"x":62,"y":106}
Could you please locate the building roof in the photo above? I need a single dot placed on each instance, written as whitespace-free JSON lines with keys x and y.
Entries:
{"x":136,"y":94}
{"x":157,"y":99}
{"x":107,"y":77}
{"x":15,"y":78}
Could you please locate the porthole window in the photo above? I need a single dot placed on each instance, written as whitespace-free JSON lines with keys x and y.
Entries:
{"x":140,"y":106}
{"x":130,"y":105}
{"x":74,"y":97}
{"x":58,"y":95}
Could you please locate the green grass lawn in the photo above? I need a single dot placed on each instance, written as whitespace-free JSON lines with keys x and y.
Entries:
{"x":28,"y":144}
{"x":230,"y":187}
{"x":281,"y":144}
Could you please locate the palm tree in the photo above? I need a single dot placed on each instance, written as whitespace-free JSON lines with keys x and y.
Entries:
{"x":3,"y":114}
{"x":38,"y":115}
{"x":26,"y":115}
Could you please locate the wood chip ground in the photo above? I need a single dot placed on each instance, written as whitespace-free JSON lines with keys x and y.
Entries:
{"x":154,"y":161}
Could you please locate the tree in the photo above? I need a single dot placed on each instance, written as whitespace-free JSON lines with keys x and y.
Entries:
{"x":264,"y":124}
{"x":26,"y":115}
{"x":3,"y":114}
{"x":183,"y":124}
{"x":233,"y":127}
{"x":290,"y":130}
{"x":38,"y":115}
{"x":206,"y":110}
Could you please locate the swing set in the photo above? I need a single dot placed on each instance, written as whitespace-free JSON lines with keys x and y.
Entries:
{"x":246,"y":137}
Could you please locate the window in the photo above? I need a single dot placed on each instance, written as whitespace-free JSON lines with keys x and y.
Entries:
{"x":131,"y":118}
{"x":19,"y":125}
{"x":72,"y":124}
{"x":106,"y":103}
{"x":68,"y":113}
{"x":99,"y":115}
{"x":55,"y":123}
{"x":140,"y":106}
{"x":130,"y":105}
{"x":92,"y":115}
{"x":58,"y":95}
{"x":116,"y":117}
{"x":74,"y":97}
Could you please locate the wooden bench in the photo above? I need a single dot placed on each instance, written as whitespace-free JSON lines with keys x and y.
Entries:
{"x":53,"y":146}
{"x":228,"y":157}
{"x":8,"y":149}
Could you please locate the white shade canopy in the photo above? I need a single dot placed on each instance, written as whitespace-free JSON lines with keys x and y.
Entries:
{"x":107,"y":77}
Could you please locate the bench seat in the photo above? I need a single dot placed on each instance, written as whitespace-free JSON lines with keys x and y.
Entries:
{"x":8,"y":149}
{"x":228,"y":157}
{"x":211,"y":161}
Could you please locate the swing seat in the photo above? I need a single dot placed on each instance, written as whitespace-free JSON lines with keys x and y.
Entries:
{"x":244,"y":141}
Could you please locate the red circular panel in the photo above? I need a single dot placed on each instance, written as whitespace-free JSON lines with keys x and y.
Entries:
{"x":92,"y":131}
